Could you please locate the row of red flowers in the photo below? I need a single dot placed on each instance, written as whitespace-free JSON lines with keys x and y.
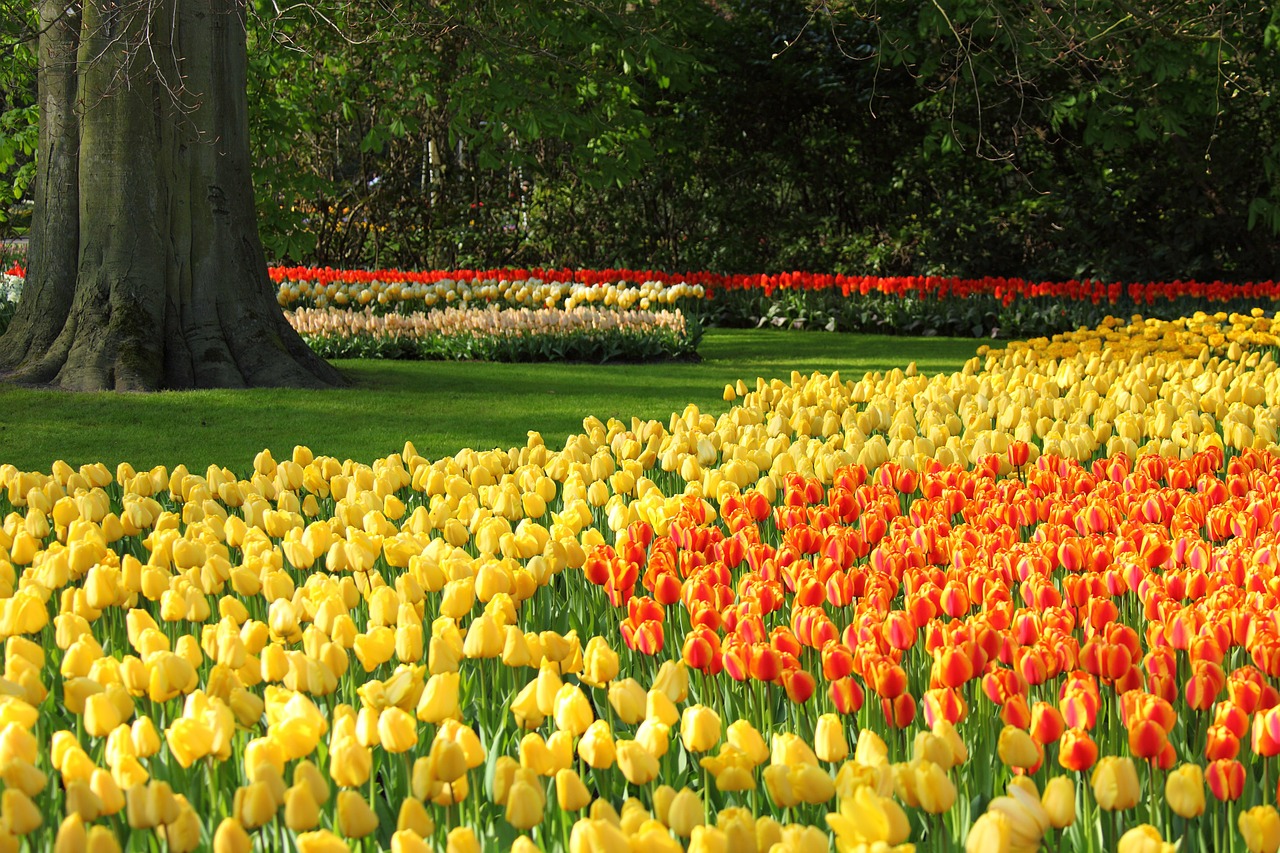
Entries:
{"x":1006,"y":290}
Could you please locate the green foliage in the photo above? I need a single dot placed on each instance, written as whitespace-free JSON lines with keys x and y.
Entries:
{"x":18,"y":122}
{"x":974,"y":316}
{"x":962,"y":137}
{"x":417,"y":147}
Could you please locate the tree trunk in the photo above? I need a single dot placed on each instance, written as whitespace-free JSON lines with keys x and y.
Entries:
{"x":145,"y":268}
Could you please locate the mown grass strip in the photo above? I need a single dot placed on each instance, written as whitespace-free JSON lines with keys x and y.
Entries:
{"x":440,"y":406}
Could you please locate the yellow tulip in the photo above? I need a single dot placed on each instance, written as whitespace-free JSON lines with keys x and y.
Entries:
{"x":600,"y":663}
{"x":637,"y":764}
{"x":82,"y":801}
{"x":595,"y":747}
{"x":397,"y":730}
{"x":1144,"y":838}
{"x":72,"y":836}
{"x":699,"y":728}
{"x":1184,"y":791}
{"x":1260,"y":827}
{"x":1059,"y":801}
{"x":102,"y":840}
{"x":673,"y":679}
{"x":320,"y":841}
{"x":20,"y":774}
{"x":18,"y":812}
{"x":108,"y":792}
{"x":571,"y":794}
{"x":1017,"y":749}
{"x":350,"y":763}
{"x":462,"y":839}
{"x":708,"y":839}
{"x":1028,"y":820}
{"x":685,"y":812}
{"x":933,"y":788}
{"x":628,"y":699}
{"x":1115,"y":783}
{"x":790,"y":749}
{"x":526,"y":803}
{"x":301,"y":811}
{"x":990,"y":833}
{"x":777,"y":781}
{"x":355,"y":818}
{"x":829,"y":742}
{"x":745,"y":737}
{"x":440,"y":698}
{"x":189,"y":740}
{"x":254,"y":805}
{"x":183,"y":835}
{"x":415,"y":818}
{"x":408,"y":841}
{"x":484,"y":639}
{"x":150,"y":805}
{"x":592,"y":835}
{"x":306,"y":772}
{"x":659,"y":707}
{"x":572,"y":710}
{"x":231,"y":837}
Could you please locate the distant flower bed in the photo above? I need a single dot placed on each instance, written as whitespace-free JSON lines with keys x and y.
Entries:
{"x":997,"y":307}
{"x":915,"y":305}
{"x":395,"y":290}
{"x":520,"y":334}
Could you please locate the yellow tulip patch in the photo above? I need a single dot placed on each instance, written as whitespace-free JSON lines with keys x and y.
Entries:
{"x":1028,"y":605}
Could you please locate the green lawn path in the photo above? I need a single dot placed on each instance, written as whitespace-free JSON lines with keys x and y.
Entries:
{"x":441,"y":407}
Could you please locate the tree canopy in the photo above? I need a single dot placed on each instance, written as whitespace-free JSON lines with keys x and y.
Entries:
{"x":1055,"y":140}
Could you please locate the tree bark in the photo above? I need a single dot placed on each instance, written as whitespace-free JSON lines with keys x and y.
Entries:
{"x":146,"y":270}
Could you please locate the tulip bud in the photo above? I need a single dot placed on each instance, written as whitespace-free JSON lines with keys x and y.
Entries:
{"x":183,"y":835}
{"x":1059,"y":801}
{"x":355,"y":818}
{"x":572,"y":710}
{"x":829,"y":742}
{"x":637,"y":764}
{"x":744,"y":736}
{"x":596,"y":746}
{"x":301,"y":811}
{"x":1260,"y":827}
{"x":571,"y":794}
{"x":600,"y":663}
{"x":1144,"y":838}
{"x":934,"y":789}
{"x":320,"y":841}
{"x":102,"y":840}
{"x":72,"y":836}
{"x":254,"y":805}
{"x":397,"y":730}
{"x":699,"y":728}
{"x":989,"y":834}
{"x":1184,"y":791}
{"x":628,"y":699}
{"x":462,"y":840}
{"x":1016,"y":748}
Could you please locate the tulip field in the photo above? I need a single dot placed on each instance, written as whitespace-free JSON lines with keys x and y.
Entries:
{"x":1028,"y":605}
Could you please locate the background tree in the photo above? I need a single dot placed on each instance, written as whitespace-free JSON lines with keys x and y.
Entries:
{"x":145,"y":269}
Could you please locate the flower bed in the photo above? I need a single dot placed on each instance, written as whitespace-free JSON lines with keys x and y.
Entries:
{"x":995,"y":307}
{"x":918,"y":305}
{"x":548,"y":334}
{"x":1029,"y":603}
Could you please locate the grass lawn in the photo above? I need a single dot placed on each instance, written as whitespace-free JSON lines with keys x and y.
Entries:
{"x":440,"y":406}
